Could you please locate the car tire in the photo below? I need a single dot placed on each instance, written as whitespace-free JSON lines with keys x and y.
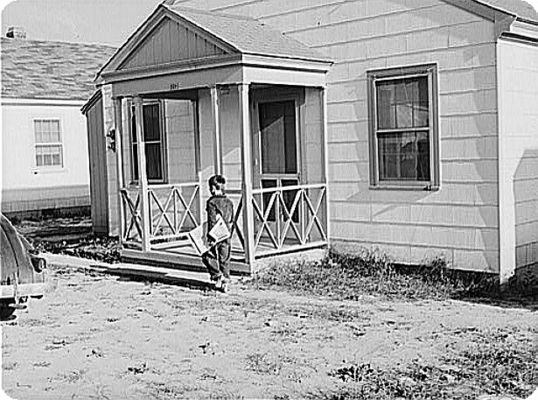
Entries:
{"x":5,"y":310}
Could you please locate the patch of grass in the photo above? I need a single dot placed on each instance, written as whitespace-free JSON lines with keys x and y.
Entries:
{"x":92,"y":247}
{"x":71,"y":236}
{"x":263,"y":364}
{"x":348,"y":277}
{"x":495,"y":363}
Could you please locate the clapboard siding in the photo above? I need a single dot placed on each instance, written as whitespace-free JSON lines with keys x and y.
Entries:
{"x":98,"y":167}
{"x":518,"y":92}
{"x":179,"y":135}
{"x":458,"y":220}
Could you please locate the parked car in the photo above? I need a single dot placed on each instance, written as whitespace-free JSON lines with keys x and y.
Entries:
{"x":22,"y":270}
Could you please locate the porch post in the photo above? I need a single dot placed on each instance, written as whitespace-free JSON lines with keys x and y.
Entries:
{"x":118,"y":125}
{"x":246,"y":159}
{"x":325,"y":144}
{"x":197,"y":161}
{"x":217,"y":145}
{"x":142,"y":174}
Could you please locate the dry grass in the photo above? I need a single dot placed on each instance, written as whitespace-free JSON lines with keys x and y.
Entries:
{"x":349,"y":277}
{"x":494,"y":362}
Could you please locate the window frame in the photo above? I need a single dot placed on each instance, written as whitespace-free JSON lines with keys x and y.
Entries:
{"x":163,"y":144}
{"x":392,"y":74}
{"x":55,"y":167}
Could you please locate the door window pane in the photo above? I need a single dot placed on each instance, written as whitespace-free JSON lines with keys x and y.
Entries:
{"x":153,"y":142}
{"x":278,"y":137}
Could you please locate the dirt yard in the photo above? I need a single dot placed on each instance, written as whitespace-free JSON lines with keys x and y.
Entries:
{"x":102,"y":337}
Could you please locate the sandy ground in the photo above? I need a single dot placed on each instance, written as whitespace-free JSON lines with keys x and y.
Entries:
{"x":101,"y":337}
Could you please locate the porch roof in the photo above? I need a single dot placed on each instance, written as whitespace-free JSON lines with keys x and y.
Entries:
{"x":180,"y":48}
{"x":248,"y":35}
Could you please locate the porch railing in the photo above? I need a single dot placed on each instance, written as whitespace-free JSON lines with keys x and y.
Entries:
{"x":174,"y":209}
{"x":132,"y":216}
{"x":289,"y":217}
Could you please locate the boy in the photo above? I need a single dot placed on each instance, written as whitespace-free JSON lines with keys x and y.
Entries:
{"x":217,"y":258}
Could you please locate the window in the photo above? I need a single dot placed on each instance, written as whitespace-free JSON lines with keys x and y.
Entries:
{"x":48,"y":143}
{"x":404,"y":147}
{"x":153,"y":140}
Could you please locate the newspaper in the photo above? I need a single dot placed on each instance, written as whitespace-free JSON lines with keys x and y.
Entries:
{"x":198,"y":240}
{"x":220,"y":230}
{"x":218,"y":233}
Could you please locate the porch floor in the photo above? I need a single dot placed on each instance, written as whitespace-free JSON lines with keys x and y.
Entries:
{"x":181,"y":255}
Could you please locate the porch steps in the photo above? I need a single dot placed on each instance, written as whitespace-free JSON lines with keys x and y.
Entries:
{"x":184,"y":262}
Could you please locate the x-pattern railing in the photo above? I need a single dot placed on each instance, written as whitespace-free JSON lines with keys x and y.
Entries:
{"x":306,"y":205}
{"x":236,"y":230}
{"x":172,"y":208}
{"x":132,"y":218}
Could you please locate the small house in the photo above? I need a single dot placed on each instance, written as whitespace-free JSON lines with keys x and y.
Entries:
{"x":410,"y":126}
{"x":44,"y":137}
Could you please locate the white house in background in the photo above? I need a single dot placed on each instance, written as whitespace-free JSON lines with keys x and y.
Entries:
{"x":407,"y":125}
{"x":44,"y":141}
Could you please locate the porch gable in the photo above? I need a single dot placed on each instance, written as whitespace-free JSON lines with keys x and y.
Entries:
{"x":172,"y":41}
{"x":165,"y":39}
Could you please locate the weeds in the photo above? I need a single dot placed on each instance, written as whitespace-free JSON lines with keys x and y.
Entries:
{"x":93,"y":247}
{"x":348,"y":277}
{"x":496,"y":363}
{"x":70,"y":236}
{"x":263,"y":364}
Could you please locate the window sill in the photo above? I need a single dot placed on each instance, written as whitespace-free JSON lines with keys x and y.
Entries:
{"x":414,"y":188}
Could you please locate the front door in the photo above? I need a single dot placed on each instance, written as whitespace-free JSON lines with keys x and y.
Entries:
{"x":277,"y":159}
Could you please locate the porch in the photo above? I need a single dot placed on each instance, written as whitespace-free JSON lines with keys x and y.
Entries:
{"x":258,"y":119}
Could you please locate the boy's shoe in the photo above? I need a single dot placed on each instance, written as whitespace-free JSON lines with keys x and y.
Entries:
{"x":218,"y":282}
{"x":225,"y":285}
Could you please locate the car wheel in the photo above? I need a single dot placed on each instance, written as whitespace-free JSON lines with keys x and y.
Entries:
{"x":5,"y":310}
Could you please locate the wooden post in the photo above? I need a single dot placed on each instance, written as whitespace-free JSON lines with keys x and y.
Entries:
{"x":197,"y":155}
{"x":246,"y":169}
{"x":118,"y":126}
{"x":325,"y":149}
{"x":142,"y":173}
{"x":217,"y":144}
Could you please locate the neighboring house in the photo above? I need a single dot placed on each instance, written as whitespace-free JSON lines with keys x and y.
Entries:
{"x":410,"y":126}
{"x":44,"y":140}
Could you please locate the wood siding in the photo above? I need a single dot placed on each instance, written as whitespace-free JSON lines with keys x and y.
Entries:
{"x":460,"y":221}
{"x":170,"y":42}
{"x":180,"y":141}
{"x":518,"y":104}
{"x":98,"y":167}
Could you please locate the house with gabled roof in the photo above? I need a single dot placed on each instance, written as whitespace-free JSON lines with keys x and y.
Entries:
{"x":408,"y":126}
{"x":44,"y":138}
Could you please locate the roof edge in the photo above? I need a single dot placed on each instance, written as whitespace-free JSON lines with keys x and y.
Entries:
{"x":480,"y":8}
{"x":321,"y":58}
{"x":98,"y":94}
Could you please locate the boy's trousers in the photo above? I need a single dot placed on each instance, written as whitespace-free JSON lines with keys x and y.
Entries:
{"x":217,"y":259}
